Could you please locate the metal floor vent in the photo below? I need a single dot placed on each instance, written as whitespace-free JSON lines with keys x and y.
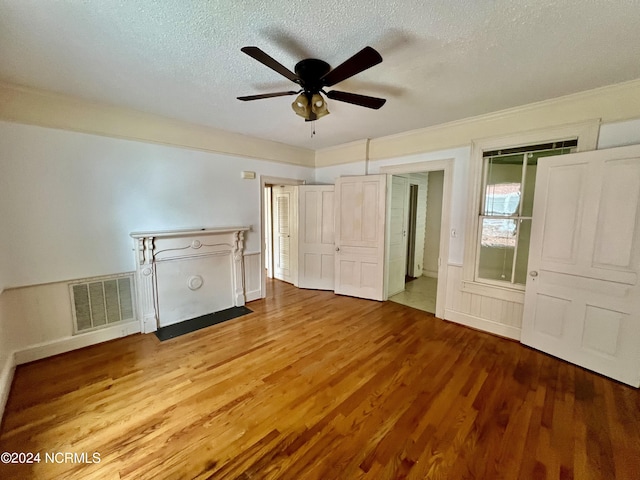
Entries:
{"x":99,"y":303}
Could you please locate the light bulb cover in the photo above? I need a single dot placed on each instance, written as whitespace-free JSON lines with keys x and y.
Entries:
{"x":301,"y":106}
{"x":319,"y":106}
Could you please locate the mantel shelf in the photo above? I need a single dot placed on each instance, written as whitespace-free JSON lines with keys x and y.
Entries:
{"x":189,"y":232}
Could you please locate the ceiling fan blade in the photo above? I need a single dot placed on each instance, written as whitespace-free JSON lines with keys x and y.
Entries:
{"x":365,"y":58}
{"x":267,"y":95}
{"x":362,"y":100}
{"x":265,"y":59}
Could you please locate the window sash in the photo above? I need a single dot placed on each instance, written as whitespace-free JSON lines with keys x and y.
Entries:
{"x":518,"y":216}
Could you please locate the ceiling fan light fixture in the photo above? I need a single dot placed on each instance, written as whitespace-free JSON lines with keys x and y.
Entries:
{"x":312,"y":75}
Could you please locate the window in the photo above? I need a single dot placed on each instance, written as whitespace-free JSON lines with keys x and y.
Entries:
{"x":506,"y":209}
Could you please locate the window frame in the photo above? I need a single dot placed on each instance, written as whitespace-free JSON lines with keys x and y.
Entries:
{"x":586,"y":134}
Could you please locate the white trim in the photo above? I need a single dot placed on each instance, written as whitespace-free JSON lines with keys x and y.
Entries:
{"x":587,"y":135}
{"x":67,"y":344}
{"x":264,"y":181}
{"x":483,"y":324}
{"x":508,"y":112}
{"x":6,"y":379}
{"x":446,"y":165}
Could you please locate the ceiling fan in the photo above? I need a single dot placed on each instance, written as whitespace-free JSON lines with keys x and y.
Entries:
{"x":313,"y":75}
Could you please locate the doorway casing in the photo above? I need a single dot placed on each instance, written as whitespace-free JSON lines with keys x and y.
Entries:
{"x":445,"y":165}
{"x":264,"y":182}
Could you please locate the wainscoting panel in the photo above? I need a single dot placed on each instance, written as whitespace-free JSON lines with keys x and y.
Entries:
{"x":484,"y":312}
{"x":252,"y":275}
{"x":7,"y":368}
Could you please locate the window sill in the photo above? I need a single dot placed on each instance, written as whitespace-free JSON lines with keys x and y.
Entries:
{"x":493,"y":291}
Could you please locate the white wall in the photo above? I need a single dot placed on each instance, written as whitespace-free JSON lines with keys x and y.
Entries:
{"x":619,"y":134}
{"x":433,"y":221}
{"x":70,"y":200}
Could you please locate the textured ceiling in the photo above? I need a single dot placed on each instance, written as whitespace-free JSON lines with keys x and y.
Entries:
{"x":443,"y":59}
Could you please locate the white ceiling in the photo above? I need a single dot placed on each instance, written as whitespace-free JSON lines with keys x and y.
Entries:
{"x":443,"y":59}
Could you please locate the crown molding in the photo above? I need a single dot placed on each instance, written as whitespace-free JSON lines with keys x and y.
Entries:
{"x":31,"y":106}
{"x":611,"y":103}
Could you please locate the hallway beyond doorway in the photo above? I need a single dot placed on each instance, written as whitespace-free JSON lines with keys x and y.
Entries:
{"x":419,"y":293}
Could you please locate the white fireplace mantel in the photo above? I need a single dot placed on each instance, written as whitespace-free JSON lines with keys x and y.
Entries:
{"x":183,"y":274}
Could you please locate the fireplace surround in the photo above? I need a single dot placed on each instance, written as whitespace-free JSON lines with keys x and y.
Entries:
{"x":182,"y":274}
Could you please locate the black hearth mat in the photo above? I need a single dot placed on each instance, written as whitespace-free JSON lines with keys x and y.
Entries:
{"x":188,"y":326}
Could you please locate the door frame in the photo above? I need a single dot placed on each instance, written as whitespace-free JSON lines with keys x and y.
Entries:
{"x":445,"y":165}
{"x":264,"y":181}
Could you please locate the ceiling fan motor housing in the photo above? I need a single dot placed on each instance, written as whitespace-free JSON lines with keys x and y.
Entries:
{"x":310,"y":71}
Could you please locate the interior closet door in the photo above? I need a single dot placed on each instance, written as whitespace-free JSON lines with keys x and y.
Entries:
{"x":316,"y":238}
{"x":360,"y":203}
{"x":285,"y":233}
{"x":398,"y":215}
{"x":582,"y":300}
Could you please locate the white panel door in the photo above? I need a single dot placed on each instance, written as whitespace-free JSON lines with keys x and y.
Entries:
{"x":359,"y":229}
{"x":582,"y":300}
{"x":316,"y":237}
{"x":398,"y":213}
{"x":284,"y":233}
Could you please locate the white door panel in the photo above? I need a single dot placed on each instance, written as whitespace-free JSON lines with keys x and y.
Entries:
{"x":285,"y":253}
{"x":582,"y":300}
{"x":316,"y":237}
{"x":398,"y":233}
{"x":360,"y":223}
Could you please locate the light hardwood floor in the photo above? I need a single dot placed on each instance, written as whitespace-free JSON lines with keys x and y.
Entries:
{"x":317,"y":386}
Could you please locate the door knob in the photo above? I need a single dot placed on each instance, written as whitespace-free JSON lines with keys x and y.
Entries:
{"x":533,"y":273}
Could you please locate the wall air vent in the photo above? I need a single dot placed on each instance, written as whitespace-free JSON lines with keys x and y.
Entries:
{"x":101,"y":302}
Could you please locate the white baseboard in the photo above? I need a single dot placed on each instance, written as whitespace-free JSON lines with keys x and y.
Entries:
{"x":7,"y":370}
{"x":483,"y":324}
{"x":62,"y":345}
{"x":430,"y":273}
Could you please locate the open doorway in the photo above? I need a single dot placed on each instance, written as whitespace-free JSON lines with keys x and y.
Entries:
{"x":418,"y":226}
{"x":279,"y":229}
{"x":423,"y":219}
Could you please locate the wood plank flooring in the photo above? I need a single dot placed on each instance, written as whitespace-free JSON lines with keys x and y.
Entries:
{"x":317,"y":386}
